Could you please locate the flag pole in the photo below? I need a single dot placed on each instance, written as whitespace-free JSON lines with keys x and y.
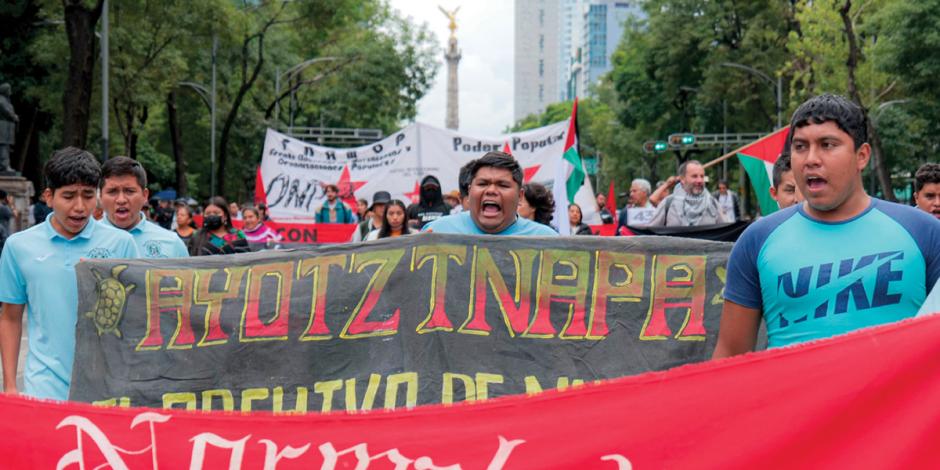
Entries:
{"x":735,"y":151}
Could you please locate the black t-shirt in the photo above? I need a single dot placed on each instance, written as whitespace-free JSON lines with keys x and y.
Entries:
{"x":422,"y":215}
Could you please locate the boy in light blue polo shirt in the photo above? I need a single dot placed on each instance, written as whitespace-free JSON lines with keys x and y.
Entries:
{"x":124,"y":192}
{"x":37,"y":272}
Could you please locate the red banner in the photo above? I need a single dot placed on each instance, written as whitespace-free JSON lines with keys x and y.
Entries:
{"x":302,"y":232}
{"x":866,"y":400}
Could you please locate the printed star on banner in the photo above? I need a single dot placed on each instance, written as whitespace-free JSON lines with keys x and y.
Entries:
{"x":529,"y":173}
{"x":348,"y":188}
{"x":415,"y":195}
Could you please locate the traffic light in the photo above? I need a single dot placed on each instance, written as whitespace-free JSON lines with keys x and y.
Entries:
{"x":649,"y":146}
{"x":660,"y":146}
{"x":681,"y":139}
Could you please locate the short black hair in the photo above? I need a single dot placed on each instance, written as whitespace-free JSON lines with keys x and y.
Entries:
{"x":71,"y":165}
{"x":827,"y":107}
{"x":331,"y":186}
{"x":123,"y":166}
{"x":781,"y":166}
{"x":464,"y":178}
{"x":928,"y":173}
{"x":496,"y":160}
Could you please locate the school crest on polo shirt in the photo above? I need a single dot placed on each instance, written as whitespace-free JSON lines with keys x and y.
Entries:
{"x":99,"y":253}
{"x":151,"y":249}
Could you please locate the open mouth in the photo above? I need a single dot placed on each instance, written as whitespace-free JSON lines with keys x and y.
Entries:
{"x":490,"y":208}
{"x":815,"y":183}
{"x":122,"y":211}
{"x":77,"y":220}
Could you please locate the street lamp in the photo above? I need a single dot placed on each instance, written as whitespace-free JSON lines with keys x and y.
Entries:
{"x":776,"y":86}
{"x":289,"y":73}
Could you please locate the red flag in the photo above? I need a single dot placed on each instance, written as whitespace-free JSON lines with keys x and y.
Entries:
{"x":506,"y":148}
{"x":612,"y":201}
{"x":260,"y":196}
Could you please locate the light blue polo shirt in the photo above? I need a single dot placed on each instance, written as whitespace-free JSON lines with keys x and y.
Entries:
{"x":37,"y":268}
{"x":463,"y":224}
{"x":932,"y":304}
{"x":813,"y":279}
{"x":154,"y":241}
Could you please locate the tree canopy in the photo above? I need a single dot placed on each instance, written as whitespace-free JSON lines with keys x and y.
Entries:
{"x":680,"y":67}
{"x":367,"y":67}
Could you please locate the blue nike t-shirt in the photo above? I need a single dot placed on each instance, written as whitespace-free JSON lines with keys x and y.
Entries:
{"x":815,"y":279}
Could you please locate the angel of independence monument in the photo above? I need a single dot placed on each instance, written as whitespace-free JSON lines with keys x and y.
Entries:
{"x":453,"y":58}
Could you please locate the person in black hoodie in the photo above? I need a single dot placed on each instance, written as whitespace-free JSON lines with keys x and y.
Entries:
{"x":431,"y":206}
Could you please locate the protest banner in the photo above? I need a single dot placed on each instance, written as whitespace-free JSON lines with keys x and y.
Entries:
{"x":863,"y":400}
{"x":294,"y":173}
{"x":429,"y":318}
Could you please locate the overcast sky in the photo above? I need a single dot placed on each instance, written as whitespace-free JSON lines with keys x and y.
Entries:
{"x":485,"y":36}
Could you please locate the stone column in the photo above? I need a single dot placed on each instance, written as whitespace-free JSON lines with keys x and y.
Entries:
{"x":453,"y":58}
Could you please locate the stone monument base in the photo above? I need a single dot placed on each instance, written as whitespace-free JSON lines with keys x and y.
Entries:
{"x":22,"y":191}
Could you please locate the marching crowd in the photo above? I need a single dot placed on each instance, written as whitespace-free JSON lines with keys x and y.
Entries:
{"x":800,"y":270}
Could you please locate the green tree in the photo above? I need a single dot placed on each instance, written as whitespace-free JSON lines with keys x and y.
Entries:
{"x":831,"y":55}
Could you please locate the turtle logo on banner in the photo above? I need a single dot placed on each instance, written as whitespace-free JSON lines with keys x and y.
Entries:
{"x":110,"y":302}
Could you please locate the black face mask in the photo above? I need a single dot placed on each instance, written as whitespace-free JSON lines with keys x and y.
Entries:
{"x":212,"y":222}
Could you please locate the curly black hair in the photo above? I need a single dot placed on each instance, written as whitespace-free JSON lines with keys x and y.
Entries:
{"x":928,"y":173}
{"x":827,"y":107}
{"x":541,"y":199}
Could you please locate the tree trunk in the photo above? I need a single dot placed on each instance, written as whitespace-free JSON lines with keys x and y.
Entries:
{"x":127,"y":128}
{"x":76,"y":100}
{"x":248,"y":82}
{"x":176,"y":142}
{"x":877,"y":160}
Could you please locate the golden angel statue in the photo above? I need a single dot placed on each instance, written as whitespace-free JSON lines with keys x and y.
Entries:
{"x":452,"y":16}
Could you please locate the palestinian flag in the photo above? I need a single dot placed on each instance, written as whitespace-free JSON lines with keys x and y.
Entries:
{"x":569,"y":175}
{"x":758,"y":161}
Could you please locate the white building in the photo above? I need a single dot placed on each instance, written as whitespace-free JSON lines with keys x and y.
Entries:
{"x":562,"y":47}
{"x":536,"y":56}
{"x":598,"y":31}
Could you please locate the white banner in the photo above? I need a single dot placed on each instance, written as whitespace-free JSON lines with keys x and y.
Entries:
{"x":295,"y":172}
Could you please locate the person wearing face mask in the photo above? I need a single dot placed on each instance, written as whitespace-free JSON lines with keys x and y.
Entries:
{"x":217,"y":236}
{"x":431,"y":205}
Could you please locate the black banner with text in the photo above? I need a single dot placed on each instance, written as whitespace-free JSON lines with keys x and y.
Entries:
{"x":422,"y":319}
